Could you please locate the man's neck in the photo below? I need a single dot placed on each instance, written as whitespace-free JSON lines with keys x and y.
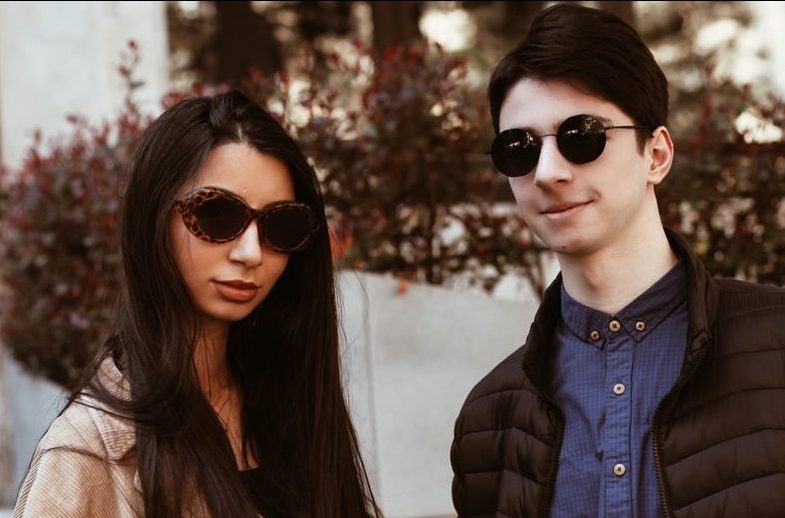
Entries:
{"x":609,"y":279}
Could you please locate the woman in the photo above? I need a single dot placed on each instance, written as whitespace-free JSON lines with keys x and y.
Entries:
{"x":220,"y":392}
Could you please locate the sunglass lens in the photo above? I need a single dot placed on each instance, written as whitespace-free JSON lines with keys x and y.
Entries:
{"x":581,"y":139}
{"x":287,"y":228}
{"x":221,"y":218}
{"x":515,"y":152}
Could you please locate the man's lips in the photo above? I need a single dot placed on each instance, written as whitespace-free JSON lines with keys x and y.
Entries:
{"x":564,"y":209}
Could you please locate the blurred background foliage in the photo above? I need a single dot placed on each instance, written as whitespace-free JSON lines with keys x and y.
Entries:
{"x":397,"y":127}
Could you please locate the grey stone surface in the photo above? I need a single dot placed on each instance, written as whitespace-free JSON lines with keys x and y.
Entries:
{"x":412,"y":358}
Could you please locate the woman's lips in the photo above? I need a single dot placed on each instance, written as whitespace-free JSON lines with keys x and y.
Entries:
{"x":237,"y":291}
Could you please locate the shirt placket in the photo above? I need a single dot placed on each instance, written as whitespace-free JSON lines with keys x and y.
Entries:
{"x":616,"y":443}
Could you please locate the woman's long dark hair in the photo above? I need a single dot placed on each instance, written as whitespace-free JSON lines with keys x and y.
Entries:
{"x":284,"y":356}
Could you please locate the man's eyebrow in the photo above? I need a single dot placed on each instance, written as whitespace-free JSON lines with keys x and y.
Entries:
{"x":606,"y":121}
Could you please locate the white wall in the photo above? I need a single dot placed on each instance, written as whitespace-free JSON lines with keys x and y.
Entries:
{"x":59,"y":58}
{"x":412,"y":358}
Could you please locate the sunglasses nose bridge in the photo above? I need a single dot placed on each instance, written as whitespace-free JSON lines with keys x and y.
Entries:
{"x":551,"y":165}
{"x":250,"y":216}
{"x":541,"y":143}
{"x":257,"y":218}
{"x":246,"y":247}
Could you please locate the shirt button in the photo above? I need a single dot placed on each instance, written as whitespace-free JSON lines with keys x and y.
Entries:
{"x":619,"y":470}
{"x":640,"y":326}
{"x":594,"y":335}
{"x":614,"y":326}
{"x":619,"y":389}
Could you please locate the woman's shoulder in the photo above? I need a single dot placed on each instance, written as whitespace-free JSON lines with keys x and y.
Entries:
{"x":84,"y":465}
{"x":89,"y":426}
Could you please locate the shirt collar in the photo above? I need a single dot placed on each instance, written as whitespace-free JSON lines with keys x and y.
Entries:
{"x":637,"y":319}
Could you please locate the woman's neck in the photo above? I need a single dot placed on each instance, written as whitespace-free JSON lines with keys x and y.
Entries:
{"x":220,"y":390}
{"x":210,"y":361}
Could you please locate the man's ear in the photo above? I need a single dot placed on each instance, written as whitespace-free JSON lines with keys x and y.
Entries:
{"x":659,"y":149}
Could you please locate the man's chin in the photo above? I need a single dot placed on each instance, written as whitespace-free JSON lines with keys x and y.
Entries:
{"x":571,"y":246}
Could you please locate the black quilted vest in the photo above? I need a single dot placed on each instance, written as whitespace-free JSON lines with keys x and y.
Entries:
{"x":719,"y":434}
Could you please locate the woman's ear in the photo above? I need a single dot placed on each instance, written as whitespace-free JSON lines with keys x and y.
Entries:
{"x":660,"y":153}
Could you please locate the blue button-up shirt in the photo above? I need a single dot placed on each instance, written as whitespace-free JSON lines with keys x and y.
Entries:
{"x":609,"y":374}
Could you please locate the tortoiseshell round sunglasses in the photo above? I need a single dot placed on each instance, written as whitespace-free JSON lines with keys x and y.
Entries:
{"x":216,"y":215}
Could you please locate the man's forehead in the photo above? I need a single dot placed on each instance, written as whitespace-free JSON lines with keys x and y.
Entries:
{"x":544,"y":105}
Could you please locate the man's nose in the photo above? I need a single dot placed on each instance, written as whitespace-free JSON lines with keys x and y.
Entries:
{"x":551,"y":167}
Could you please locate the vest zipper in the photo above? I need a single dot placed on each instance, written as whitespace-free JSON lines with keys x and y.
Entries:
{"x":655,"y":421}
{"x":547,"y":494}
{"x":660,"y":477}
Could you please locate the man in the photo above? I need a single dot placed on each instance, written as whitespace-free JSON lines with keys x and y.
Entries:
{"x":645,"y":388}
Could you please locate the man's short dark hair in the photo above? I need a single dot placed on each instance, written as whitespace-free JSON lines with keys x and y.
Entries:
{"x":591,"y":50}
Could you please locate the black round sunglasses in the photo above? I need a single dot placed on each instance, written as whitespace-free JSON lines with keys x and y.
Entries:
{"x":580,"y":139}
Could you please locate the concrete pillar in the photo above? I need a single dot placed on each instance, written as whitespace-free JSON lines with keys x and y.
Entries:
{"x":60,"y":58}
{"x":56,"y":59}
{"x":6,"y":462}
